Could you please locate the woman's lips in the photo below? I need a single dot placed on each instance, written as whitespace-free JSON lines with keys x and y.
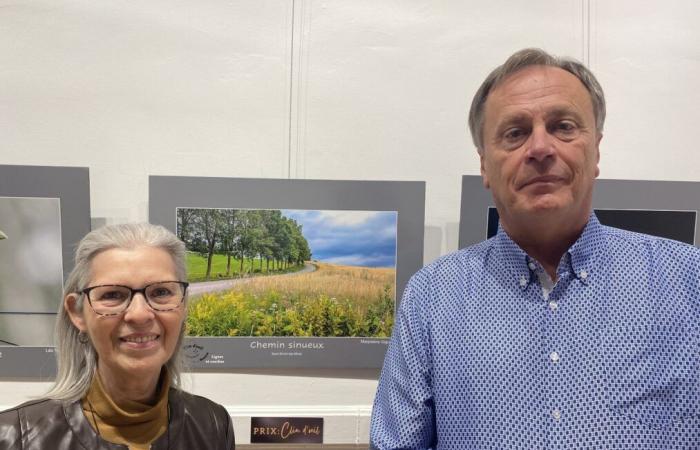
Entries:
{"x":140,"y":340}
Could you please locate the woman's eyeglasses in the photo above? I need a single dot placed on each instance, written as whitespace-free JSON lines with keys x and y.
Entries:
{"x":114,"y":299}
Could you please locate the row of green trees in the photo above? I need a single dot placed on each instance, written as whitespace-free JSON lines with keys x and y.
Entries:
{"x":240,"y":234}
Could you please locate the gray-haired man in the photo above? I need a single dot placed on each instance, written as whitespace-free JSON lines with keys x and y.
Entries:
{"x":559,"y":332}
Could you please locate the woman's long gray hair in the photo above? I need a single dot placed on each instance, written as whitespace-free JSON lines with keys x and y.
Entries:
{"x":77,"y":361}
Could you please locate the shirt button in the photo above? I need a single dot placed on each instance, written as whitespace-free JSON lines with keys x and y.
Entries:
{"x":553,"y":306}
{"x":523,"y":280}
{"x":556,"y":414}
{"x":554,"y":356}
{"x":532,"y":266}
{"x":583,"y":274}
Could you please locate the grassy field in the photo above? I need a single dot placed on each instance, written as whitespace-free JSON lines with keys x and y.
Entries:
{"x":197,"y":267}
{"x":332,"y":301}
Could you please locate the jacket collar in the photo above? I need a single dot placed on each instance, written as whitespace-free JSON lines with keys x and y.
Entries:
{"x":90,"y":439}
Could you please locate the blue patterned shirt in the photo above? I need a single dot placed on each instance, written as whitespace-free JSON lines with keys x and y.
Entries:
{"x":482,"y":358}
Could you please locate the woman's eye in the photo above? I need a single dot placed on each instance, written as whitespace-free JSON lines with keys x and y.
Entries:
{"x":160,"y":292}
{"x":113,"y":295}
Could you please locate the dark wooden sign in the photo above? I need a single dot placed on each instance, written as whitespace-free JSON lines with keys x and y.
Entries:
{"x":286,"y":430}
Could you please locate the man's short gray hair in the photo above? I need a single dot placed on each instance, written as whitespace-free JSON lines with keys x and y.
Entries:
{"x":77,"y":361}
{"x":520,"y":60}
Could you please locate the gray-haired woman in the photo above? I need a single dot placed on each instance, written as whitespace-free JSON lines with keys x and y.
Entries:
{"x":118,"y":338}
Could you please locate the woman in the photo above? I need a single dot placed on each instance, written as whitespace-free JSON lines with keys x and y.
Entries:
{"x":118,"y":336}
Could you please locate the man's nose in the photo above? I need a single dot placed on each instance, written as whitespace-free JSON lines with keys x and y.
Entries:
{"x":541,"y":145}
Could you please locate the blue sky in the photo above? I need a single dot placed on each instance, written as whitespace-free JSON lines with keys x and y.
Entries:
{"x":356,"y":238}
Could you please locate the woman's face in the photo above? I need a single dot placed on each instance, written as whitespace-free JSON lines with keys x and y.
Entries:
{"x":138,"y":342}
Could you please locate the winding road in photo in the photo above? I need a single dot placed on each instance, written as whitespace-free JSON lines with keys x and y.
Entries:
{"x":203,"y":287}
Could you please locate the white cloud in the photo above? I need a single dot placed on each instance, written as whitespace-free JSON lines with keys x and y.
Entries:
{"x":348,"y":218}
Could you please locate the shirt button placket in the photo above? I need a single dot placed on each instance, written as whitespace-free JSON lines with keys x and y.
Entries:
{"x":556,"y":414}
{"x":554,"y":356}
{"x":554,"y":368}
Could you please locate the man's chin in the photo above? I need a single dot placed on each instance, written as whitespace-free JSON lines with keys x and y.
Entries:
{"x":545,"y":204}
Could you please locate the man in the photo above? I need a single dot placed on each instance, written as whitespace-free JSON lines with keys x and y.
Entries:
{"x":557,"y":333}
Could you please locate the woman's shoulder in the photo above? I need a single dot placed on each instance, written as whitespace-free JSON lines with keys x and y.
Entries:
{"x":196,"y":403}
{"x":199,"y":419}
{"x":15,"y":421}
{"x":31,"y":409}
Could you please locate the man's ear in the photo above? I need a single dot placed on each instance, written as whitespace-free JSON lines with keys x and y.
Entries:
{"x":70,"y":304}
{"x":597,"y":155}
{"x":484,"y":177}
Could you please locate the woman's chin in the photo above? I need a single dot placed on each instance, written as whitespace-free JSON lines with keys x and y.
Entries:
{"x":141,"y":363}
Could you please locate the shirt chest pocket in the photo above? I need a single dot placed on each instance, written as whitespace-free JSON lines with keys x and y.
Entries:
{"x":652,"y":373}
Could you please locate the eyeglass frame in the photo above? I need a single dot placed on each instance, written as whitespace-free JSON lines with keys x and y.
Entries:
{"x":133,"y":292}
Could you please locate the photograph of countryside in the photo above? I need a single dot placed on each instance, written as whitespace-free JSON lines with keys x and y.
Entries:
{"x":279,"y":272}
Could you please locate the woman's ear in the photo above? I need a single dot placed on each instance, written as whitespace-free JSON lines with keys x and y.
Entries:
{"x":70,"y":304}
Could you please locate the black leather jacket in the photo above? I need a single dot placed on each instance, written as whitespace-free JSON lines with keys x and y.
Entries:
{"x":195,"y":423}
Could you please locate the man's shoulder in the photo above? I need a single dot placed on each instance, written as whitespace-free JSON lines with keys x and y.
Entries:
{"x":448,"y":273}
{"x":460,"y":259}
{"x":658,"y":247}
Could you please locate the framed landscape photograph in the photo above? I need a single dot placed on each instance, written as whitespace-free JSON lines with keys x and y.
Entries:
{"x":667,"y":209}
{"x":271,"y":272}
{"x":302,"y":273}
{"x":44,"y":212}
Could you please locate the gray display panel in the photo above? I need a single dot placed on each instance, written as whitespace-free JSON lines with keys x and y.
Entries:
{"x":648,"y":221}
{"x":405,"y":198}
{"x":48,"y":210}
{"x":663,"y":208}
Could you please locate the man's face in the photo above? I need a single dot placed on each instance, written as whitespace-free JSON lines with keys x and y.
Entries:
{"x":541,"y":146}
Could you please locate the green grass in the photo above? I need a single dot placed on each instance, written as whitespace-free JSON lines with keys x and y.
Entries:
{"x":197,"y":267}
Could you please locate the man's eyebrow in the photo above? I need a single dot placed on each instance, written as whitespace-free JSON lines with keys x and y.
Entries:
{"x":563,"y":111}
{"x":512,"y":118}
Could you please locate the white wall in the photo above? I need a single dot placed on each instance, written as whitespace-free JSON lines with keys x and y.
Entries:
{"x":319,"y":89}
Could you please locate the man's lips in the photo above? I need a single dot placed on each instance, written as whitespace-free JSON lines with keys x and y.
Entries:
{"x":541,"y":180}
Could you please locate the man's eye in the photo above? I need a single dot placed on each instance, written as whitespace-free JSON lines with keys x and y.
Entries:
{"x":565,"y":127}
{"x":514,"y":134}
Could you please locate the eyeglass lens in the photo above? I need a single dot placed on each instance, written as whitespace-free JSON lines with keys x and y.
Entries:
{"x":114,"y":299}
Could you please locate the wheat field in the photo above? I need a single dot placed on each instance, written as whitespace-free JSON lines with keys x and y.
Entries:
{"x":360,"y":285}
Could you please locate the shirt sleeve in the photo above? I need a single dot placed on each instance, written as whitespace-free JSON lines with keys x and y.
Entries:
{"x":403,"y":415}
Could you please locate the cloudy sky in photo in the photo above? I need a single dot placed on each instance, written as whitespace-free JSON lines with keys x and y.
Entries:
{"x":356,"y":238}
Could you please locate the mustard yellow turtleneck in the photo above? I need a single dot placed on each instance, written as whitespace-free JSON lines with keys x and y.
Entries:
{"x":137,"y":425}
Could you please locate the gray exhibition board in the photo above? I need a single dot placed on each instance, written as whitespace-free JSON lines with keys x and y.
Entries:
{"x":406,"y":198}
{"x":71,"y":185}
{"x":632,"y":195}
{"x":65,"y":190}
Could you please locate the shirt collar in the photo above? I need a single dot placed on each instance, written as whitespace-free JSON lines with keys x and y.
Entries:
{"x":584,"y":253}
{"x":579,"y":259}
